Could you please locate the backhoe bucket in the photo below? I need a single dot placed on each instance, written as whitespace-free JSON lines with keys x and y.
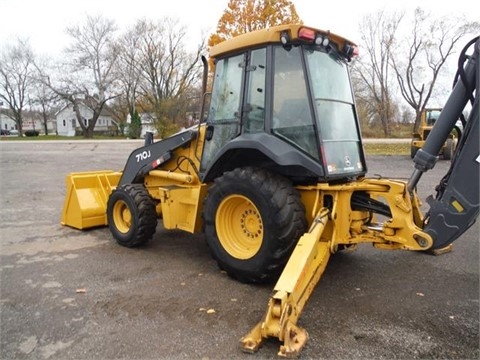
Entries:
{"x":85,"y":203}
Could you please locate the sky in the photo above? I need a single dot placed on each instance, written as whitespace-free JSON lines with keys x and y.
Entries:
{"x":43,"y":22}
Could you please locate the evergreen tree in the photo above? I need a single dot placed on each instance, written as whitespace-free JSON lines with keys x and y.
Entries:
{"x":135,"y":127}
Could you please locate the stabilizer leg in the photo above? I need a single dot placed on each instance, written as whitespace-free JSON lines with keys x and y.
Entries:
{"x":293,"y":288}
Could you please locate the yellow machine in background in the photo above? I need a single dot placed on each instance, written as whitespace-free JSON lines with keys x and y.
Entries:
{"x":428,"y":117}
{"x":275,"y":177}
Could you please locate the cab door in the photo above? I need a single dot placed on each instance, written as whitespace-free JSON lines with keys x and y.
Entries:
{"x":224,"y":116}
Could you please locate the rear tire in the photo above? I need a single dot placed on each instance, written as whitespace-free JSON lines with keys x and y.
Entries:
{"x":131,"y":215}
{"x":253,"y":220}
{"x":449,"y":149}
{"x":413,"y":151}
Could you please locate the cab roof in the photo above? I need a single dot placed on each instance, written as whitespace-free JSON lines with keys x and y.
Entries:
{"x":272,"y":35}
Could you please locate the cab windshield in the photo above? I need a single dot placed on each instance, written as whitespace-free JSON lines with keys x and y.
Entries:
{"x":321,"y":100}
{"x":432,"y":116}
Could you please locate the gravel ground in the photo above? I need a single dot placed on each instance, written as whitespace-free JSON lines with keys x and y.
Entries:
{"x":69,"y":294}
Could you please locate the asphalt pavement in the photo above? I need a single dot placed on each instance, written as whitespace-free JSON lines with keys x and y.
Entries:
{"x":70,"y":294}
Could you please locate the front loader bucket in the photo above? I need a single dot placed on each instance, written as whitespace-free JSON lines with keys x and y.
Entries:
{"x":85,"y":204}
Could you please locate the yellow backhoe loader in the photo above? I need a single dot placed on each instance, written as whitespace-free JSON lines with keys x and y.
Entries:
{"x":428,"y":117}
{"x":275,"y":174}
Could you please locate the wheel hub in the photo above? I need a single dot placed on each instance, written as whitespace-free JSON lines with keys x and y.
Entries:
{"x":239,"y":226}
{"x":122,"y":216}
{"x":251,"y":223}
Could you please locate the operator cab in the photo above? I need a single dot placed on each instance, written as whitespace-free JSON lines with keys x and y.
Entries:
{"x":283,"y":97}
{"x":432,"y":115}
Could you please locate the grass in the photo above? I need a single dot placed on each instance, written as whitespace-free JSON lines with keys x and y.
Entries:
{"x":370,"y":148}
{"x":387,"y":149}
{"x":398,"y":131}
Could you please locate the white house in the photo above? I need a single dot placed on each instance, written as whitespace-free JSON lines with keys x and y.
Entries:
{"x":36,"y":124}
{"x":67,"y":121}
{"x":7,"y":123}
{"x":30,"y":121}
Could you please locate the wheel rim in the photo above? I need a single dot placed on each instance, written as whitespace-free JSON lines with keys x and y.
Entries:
{"x":239,"y":226}
{"x":122,"y":216}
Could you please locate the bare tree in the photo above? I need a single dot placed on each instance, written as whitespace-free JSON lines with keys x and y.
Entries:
{"x":42,"y":99}
{"x":88,"y":78}
{"x":372,"y":70}
{"x":168,"y":71}
{"x":430,"y":43}
{"x":16,"y":69}
{"x":45,"y":101}
{"x":129,"y":75}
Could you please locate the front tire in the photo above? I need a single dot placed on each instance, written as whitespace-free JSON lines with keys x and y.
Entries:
{"x":131,"y":215}
{"x":253,"y":219}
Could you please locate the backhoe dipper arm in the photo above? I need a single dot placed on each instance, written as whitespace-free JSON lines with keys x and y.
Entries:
{"x":455,"y":206}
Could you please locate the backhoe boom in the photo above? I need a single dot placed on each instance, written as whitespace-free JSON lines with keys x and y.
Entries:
{"x":456,"y":204}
